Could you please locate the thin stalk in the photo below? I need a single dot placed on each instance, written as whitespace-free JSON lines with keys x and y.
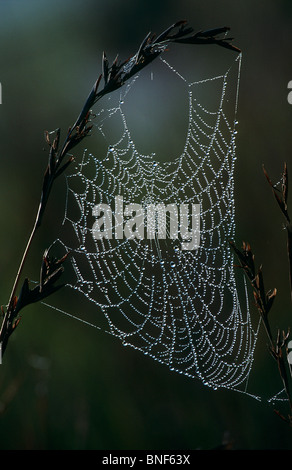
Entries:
{"x":23,"y":259}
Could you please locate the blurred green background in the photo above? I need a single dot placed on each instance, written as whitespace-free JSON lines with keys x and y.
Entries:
{"x":64,"y":385}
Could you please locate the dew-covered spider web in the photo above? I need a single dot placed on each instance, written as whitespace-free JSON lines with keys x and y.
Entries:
{"x":149,"y":235}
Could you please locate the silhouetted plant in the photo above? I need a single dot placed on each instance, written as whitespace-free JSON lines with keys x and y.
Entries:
{"x":264,"y":300}
{"x":114,"y":76}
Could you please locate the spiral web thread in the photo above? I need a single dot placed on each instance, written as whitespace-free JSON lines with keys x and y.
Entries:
{"x":180,"y":307}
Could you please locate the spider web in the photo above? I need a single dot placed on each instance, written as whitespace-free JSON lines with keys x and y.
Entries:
{"x":183,"y":307}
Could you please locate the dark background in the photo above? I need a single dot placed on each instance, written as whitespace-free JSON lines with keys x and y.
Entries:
{"x":65,"y":385}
